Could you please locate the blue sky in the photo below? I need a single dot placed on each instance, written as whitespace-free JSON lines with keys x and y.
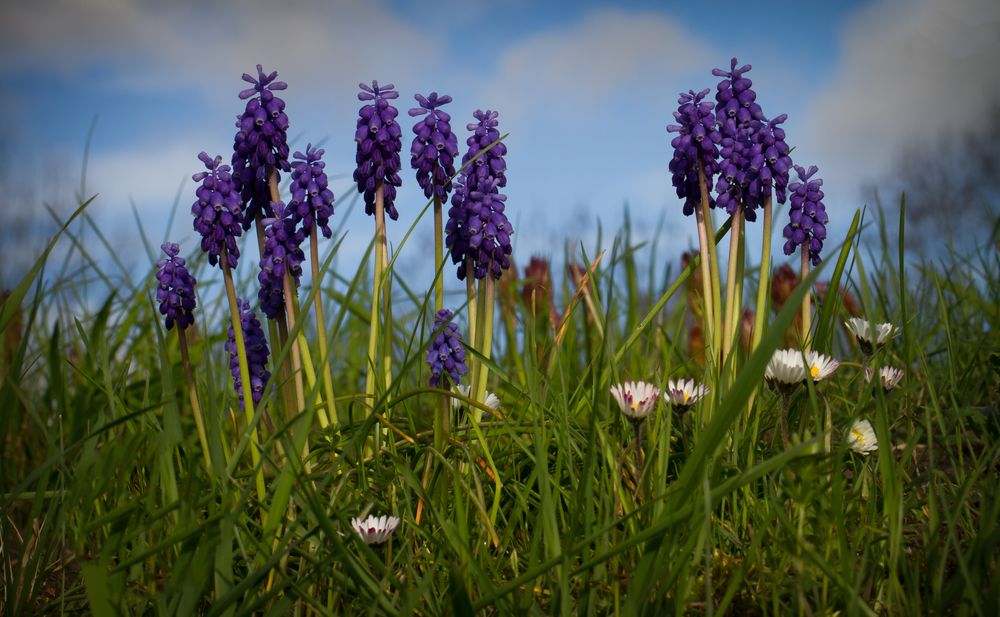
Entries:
{"x":585,"y":89}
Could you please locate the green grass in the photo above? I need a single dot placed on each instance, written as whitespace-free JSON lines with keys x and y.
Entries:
{"x":107,"y":508}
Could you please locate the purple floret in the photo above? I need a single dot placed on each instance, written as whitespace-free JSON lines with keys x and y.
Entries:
{"x":257,"y":355}
{"x":282,"y":253}
{"x":477,"y":228}
{"x":379,"y":142}
{"x":807,"y":217}
{"x":446,"y":355}
{"x":175,"y":292}
{"x":695,"y":146}
{"x":434,"y":148}
{"x":312,"y":200}
{"x":261,"y":143}
{"x":218,"y":215}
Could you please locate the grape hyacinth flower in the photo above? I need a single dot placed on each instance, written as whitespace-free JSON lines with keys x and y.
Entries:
{"x":695,"y":147}
{"x":379,"y":142}
{"x":175,"y":291}
{"x":807,"y":217}
{"x":218,"y":216}
{"x":312,"y":199}
{"x":771,"y":157}
{"x":682,"y":394}
{"x":282,"y":253}
{"x":861,"y":438}
{"x":478,"y":229}
{"x":257,"y":355}
{"x":261,"y":142}
{"x":446,"y":355}
{"x":375,"y":529}
{"x":740,"y":118}
{"x":435,"y":146}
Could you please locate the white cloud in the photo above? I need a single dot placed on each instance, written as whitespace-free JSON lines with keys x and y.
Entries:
{"x":908,"y":71}
{"x":608,"y":52}
{"x":149,"y":45}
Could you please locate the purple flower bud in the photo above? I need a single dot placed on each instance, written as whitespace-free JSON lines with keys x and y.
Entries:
{"x":261,"y":143}
{"x":379,"y":142}
{"x":257,"y":355}
{"x":446,"y":355}
{"x":435,"y":147}
{"x":807,"y":216}
{"x":282,"y":253}
{"x":312,"y":200}
{"x":696,"y":147}
{"x":175,"y":291}
{"x":217,"y":213}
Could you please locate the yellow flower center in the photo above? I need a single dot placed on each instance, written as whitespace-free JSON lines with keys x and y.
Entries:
{"x":814,"y":371}
{"x":858,"y":436}
{"x":686,"y":397}
{"x":635,"y":405}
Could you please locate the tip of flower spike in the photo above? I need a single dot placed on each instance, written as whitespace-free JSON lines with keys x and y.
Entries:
{"x":171,"y":248}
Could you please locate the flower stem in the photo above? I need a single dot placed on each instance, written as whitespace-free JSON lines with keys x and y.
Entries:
{"x":487,"y":336}
{"x":386,"y":314}
{"x":470,"y":307}
{"x":438,"y":255}
{"x":807,"y":300}
{"x":199,"y":422}
{"x":732,"y":302}
{"x":765,"y":278}
{"x":241,"y":353}
{"x":713,"y":261}
{"x":300,"y":396}
{"x":376,"y":292}
{"x":331,"y":404}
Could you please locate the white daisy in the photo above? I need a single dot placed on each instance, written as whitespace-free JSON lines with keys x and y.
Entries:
{"x":786,"y":367}
{"x":820,"y":366}
{"x":871,"y":335}
{"x":682,"y":393}
{"x":636,"y":398}
{"x":491,"y":399}
{"x":375,"y":529}
{"x":861,"y":437}
{"x":890,"y":375}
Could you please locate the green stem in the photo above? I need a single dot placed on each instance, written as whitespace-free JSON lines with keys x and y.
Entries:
{"x":732,"y":303}
{"x":470,"y":307}
{"x":300,"y":396}
{"x":713,"y":262}
{"x":199,"y":422}
{"x":387,"y":316}
{"x":331,"y":404}
{"x":807,"y":300}
{"x":376,"y":292}
{"x":241,"y":353}
{"x":442,"y":423}
{"x":438,"y":255}
{"x":765,"y":278}
{"x":486,"y":334}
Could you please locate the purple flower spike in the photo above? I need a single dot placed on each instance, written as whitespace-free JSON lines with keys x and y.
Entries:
{"x":282,"y":253}
{"x":696,"y":146}
{"x":175,"y":292}
{"x":435,"y":147}
{"x":218,"y":216}
{"x":446,"y":355}
{"x":261,"y":143}
{"x":753,"y":150}
{"x":769,"y":144}
{"x":257,"y":354}
{"x":312,"y":200}
{"x":379,"y":142}
{"x":477,"y":228}
{"x":807,"y":215}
